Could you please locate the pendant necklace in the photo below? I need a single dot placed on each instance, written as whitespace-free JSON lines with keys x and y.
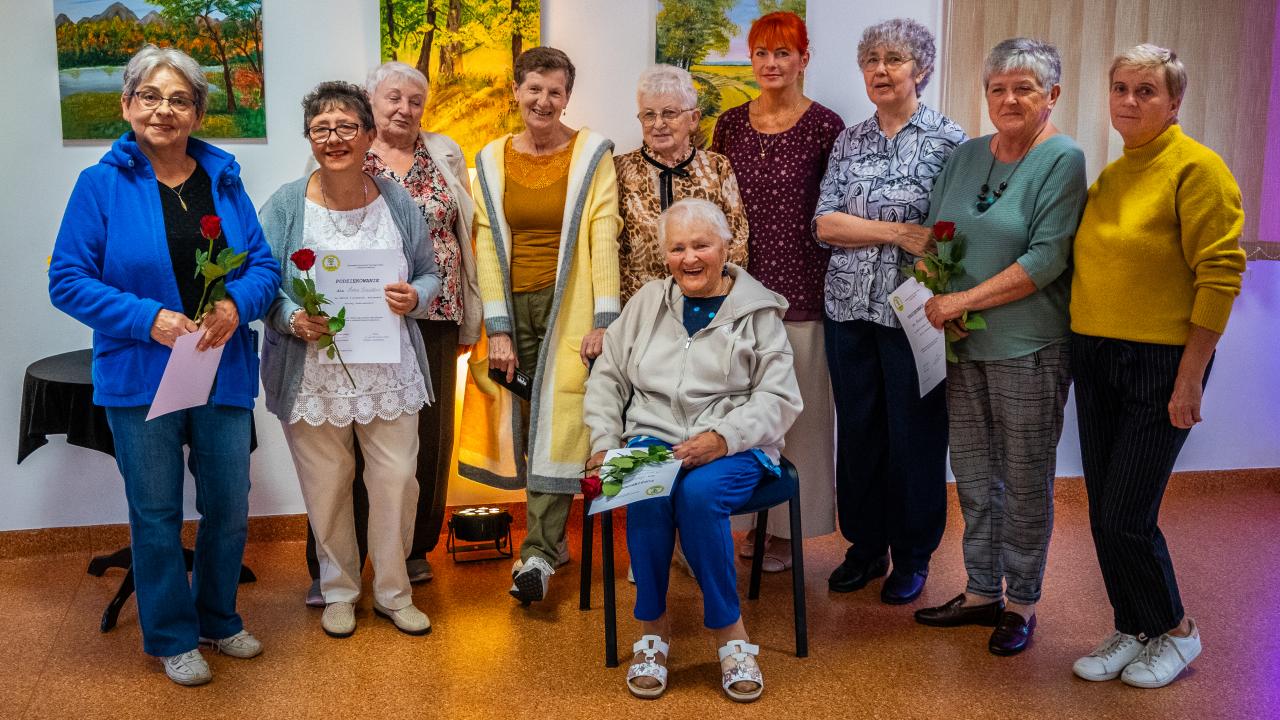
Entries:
{"x":986,"y":197}
{"x":364,"y":183}
{"x":178,"y":192}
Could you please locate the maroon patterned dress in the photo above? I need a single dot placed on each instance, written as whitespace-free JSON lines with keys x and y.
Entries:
{"x":779,"y":175}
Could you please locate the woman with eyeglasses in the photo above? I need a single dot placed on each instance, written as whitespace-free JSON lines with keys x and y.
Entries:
{"x":891,"y":447}
{"x":324,"y":408}
{"x":778,"y":145}
{"x":1015,"y":197}
{"x":666,"y":168}
{"x":125,"y":264}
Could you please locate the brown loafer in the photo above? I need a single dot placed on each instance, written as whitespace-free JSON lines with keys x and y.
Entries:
{"x":955,"y":613}
{"x":1012,"y":634}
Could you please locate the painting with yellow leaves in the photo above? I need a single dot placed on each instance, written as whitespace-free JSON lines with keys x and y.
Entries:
{"x":467,"y":49}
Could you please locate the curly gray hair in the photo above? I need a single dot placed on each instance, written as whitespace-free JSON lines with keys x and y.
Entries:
{"x":689,"y":212}
{"x":904,"y":35}
{"x":394,"y":70}
{"x":659,"y":80}
{"x":150,"y":58}
{"x":1036,"y":56}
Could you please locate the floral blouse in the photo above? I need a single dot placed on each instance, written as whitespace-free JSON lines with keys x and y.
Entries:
{"x":870,"y":176}
{"x":428,"y":188}
{"x":707,"y":176}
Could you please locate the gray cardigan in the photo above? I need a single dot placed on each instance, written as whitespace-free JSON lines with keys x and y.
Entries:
{"x":284,"y":355}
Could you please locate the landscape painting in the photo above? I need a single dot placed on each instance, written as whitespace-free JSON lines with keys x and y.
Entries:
{"x":96,"y":38}
{"x":467,"y":49}
{"x":709,"y":39}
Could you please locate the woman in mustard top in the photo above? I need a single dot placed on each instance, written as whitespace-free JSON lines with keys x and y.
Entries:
{"x":1157,"y":267}
{"x":546,"y":234}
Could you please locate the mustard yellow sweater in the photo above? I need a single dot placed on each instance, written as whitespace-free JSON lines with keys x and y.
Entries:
{"x":1158,"y":248}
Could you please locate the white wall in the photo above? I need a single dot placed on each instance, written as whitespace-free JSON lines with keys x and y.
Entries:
{"x":611,"y":41}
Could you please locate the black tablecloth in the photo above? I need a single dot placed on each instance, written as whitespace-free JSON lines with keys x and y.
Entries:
{"x":57,"y":399}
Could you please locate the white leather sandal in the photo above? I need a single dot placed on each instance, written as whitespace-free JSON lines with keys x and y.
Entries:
{"x":745,"y":669}
{"x":650,"y":645}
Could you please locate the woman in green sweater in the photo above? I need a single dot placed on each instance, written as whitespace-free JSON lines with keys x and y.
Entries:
{"x":1158,"y":265}
{"x":1015,"y":197}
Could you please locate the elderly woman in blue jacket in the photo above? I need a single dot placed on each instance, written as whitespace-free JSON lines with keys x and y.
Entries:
{"x":125,"y":264}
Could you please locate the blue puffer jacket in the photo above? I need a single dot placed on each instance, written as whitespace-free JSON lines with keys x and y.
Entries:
{"x":111,"y":270}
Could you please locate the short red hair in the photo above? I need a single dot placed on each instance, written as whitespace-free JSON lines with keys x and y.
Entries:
{"x":779,"y":29}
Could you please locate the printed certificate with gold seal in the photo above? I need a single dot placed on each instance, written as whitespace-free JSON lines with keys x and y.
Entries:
{"x":357,"y":280}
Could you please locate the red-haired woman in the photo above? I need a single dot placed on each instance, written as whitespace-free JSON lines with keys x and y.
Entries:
{"x":778,"y":145}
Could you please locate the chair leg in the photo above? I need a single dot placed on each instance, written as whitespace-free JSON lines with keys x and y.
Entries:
{"x":588,"y":533}
{"x":610,"y":605}
{"x":797,"y":580}
{"x":757,"y":558}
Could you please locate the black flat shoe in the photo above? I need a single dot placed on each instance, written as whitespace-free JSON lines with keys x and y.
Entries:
{"x":852,"y":575}
{"x":902,"y":588}
{"x":1012,"y":634}
{"x":955,"y":613}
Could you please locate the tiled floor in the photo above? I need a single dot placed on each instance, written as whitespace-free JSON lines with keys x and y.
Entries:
{"x":488,"y":657}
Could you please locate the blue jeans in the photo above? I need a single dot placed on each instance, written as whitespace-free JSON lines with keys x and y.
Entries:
{"x":173,"y":614}
{"x":699,"y":506}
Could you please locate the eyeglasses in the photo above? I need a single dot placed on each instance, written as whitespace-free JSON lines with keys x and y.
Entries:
{"x":893,"y":61}
{"x":151,"y":100}
{"x":319,"y":134}
{"x":648,"y":118}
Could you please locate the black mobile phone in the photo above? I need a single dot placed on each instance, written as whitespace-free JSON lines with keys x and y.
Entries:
{"x":521,"y":385}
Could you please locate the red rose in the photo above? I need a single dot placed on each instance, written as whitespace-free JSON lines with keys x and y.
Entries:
{"x":591,"y":487}
{"x":304,"y":259}
{"x":944,"y":231}
{"x":210,"y":227}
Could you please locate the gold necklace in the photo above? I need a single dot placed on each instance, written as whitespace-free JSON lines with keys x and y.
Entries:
{"x":760,"y":136}
{"x":178,"y":192}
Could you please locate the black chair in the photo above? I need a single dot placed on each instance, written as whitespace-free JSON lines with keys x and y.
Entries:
{"x":770,"y":493}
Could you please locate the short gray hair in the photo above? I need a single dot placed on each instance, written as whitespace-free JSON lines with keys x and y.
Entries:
{"x":906,"y":35}
{"x":659,"y":80}
{"x":339,"y":95}
{"x":694,"y":211}
{"x":394,"y":70}
{"x":1037,"y":56}
{"x":150,"y":58}
{"x":1153,"y":57}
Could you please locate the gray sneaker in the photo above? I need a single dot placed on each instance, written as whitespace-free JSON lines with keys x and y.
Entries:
{"x":419,"y":570}
{"x":189,"y":668}
{"x":530,"y":582}
{"x":241,"y":645}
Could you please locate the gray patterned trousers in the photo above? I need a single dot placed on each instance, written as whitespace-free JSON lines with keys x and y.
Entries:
{"x":1006,"y":418}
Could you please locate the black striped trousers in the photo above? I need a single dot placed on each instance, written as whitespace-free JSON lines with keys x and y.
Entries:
{"x":1128,"y":448}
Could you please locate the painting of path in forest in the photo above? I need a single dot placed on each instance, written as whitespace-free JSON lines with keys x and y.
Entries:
{"x":709,"y":39}
{"x":467,"y":49}
{"x":96,"y":38}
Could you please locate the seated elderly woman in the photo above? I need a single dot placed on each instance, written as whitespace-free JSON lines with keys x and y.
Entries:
{"x":667,"y":168}
{"x":698,"y":362}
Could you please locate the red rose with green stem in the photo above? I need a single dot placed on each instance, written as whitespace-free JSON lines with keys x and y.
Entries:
{"x":305,"y":288}
{"x":214,"y":270}
{"x":937,"y":269}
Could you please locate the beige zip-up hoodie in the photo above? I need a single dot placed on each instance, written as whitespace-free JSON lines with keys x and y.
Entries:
{"x":735,"y":376}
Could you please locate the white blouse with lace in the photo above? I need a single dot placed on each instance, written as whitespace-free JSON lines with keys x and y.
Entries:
{"x":385,"y":390}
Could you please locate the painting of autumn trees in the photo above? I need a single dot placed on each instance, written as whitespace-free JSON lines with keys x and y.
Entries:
{"x":96,"y":39}
{"x":467,"y":49}
{"x":709,"y":39}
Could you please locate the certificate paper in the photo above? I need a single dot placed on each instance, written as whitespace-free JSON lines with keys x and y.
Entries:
{"x":928,"y":344}
{"x":357,"y":280}
{"x":188,"y":376}
{"x":649,"y":481}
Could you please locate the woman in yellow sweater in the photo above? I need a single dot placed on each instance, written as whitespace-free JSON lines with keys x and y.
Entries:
{"x":547,"y":260}
{"x":1157,"y":267}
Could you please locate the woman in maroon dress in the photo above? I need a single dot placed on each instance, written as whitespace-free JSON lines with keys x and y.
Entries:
{"x":778,"y":145}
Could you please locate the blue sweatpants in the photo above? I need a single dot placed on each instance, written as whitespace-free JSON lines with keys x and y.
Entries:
{"x":699,"y":507}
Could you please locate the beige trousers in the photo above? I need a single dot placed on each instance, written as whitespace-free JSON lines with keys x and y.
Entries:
{"x":810,"y":444}
{"x":325,"y":459}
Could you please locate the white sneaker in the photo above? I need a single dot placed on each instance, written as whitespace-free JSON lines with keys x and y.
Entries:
{"x":529,"y":582}
{"x":189,"y":668}
{"x":339,"y":619}
{"x":408,"y":619}
{"x":1109,"y":659}
{"x":1162,"y":660}
{"x":241,"y":645}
